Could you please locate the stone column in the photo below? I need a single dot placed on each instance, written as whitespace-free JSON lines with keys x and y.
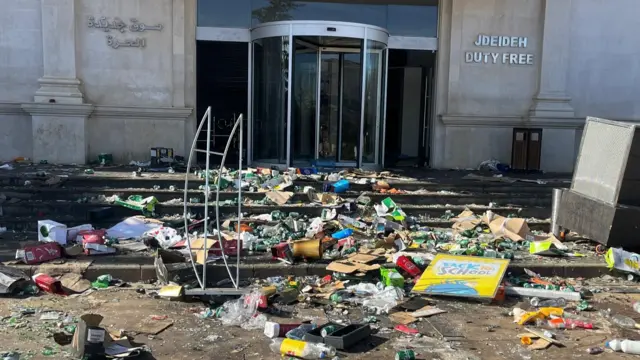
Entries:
{"x":552,"y":100}
{"x":59,"y":81}
{"x":59,"y":116}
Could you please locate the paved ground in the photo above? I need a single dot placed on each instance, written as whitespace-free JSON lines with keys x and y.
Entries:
{"x":475,"y":331}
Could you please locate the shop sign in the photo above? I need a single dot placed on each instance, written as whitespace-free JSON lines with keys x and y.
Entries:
{"x":118,"y":25}
{"x":506,"y":57}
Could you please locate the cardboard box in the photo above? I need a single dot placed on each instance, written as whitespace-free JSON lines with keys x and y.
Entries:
{"x":36,"y":254}
{"x":51,"y":231}
{"x":515,"y":229}
{"x":230,"y":247}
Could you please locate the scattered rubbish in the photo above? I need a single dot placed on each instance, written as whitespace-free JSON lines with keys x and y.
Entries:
{"x":542,"y":293}
{"x":301,"y":349}
{"x":405,"y":355}
{"x":12,"y":280}
{"x":622,"y":260}
{"x":625,"y":346}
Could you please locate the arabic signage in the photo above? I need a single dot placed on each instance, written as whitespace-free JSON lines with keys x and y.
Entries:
{"x":465,"y":276}
{"x":118,"y":25}
{"x":499,"y":41}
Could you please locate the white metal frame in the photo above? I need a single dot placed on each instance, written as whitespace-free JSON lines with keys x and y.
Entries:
{"x":322,"y":28}
{"x":238,"y":124}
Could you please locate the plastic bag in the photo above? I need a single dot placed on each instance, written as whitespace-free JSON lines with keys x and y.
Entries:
{"x":166,"y":236}
{"x":242,"y":311}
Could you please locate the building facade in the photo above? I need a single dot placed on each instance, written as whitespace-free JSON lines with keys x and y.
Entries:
{"x":446,"y":84}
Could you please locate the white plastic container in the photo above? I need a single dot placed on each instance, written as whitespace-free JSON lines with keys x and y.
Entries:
{"x":51,"y":231}
{"x":626,"y":346}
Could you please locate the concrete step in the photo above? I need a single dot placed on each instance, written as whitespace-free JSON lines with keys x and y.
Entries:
{"x":82,"y":210}
{"x":30,"y":223}
{"x":431,"y":198}
{"x":149,"y":180}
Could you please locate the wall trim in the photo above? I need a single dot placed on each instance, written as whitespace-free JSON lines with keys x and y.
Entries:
{"x":11,"y":108}
{"x":54,"y":109}
{"x":511,"y":121}
{"x":142,"y":113}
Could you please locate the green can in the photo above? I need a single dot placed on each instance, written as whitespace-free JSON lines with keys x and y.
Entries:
{"x":405,"y":355}
{"x":327,"y":330}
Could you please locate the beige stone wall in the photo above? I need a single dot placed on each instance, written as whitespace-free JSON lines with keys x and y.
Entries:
{"x":488,"y":88}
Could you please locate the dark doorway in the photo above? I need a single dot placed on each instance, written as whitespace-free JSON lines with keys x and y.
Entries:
{"x":222,"y":75}
{"x":409,"y":107}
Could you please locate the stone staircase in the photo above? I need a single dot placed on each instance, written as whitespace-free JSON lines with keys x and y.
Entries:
{"x":82,"y":198}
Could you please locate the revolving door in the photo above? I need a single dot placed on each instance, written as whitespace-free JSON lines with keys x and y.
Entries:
{"x":317,"y":94}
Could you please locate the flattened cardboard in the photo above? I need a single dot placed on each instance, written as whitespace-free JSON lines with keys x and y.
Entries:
{"x":403,"y":318}
{"x":152,"y":327}
{"x":347,"y":267}
{"x":75,"y":283}
{"x":466,"y":220}
{"x":427,"y":311}
{"x":279,"y":197}
{"x":363,"y":258}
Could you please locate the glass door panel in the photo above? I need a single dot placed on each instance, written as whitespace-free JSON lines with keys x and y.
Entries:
{"x":372,"y":100}
{"x":304,"y":96}
{"x":351,"y":106}
{"x":329,"y":103}
{"x":270,"y":108}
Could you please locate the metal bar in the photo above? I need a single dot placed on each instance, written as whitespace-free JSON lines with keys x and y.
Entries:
{"x":340,"y":103}
{"x":215,"y":291}
{"x":238,"y":247}
{"x":250,"y":109}
{"x":318,"y":92}
{"x":384,"y":104}
{"x":289,"y":88}
{"x":206,"y":201}
{"x":224,"y":158}
{"x":209,"y":152}
{"x":186,"y":187}
{"x":376,"y":149}
{"x":364,"y":85}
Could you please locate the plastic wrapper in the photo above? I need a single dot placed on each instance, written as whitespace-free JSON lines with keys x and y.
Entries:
{"x":243,"y":311}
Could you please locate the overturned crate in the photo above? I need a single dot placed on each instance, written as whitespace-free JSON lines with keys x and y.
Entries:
{"x":603,"y":202}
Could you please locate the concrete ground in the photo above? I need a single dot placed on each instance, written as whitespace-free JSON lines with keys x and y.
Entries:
{"x":473,"y":330}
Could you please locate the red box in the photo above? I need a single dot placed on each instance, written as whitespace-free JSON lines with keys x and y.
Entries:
{"x":36,"y":254}
{"x":48,"y":284}
{"x":230,"y":248}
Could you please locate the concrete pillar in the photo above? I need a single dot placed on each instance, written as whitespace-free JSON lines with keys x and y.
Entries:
{"x":59,"y":82}
{"x":552,"y":100}
{"x":59,"y":116}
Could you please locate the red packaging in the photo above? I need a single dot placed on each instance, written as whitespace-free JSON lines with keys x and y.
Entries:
{"x":230,"y":248}
{"x":407,"y":265}
{"x":405,"y":329}
{"x":282,"y":251}
{"x":48,"y":284}
{"x":92,"y":236}
{"x":274,"y":330}
{"x":36,"y":254}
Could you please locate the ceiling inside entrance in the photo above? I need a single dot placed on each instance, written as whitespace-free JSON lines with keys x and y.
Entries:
{"x":328,"y":41}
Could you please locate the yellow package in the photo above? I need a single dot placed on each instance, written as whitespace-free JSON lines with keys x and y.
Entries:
{"x":542,"y":314}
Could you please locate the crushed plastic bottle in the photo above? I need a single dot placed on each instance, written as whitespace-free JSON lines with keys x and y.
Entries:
{"x":626,"y":346}
{"x":299,"y":332}
{"x":622,"y":321}
{"x":537,"y":302}
{"x":302,"y":349}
